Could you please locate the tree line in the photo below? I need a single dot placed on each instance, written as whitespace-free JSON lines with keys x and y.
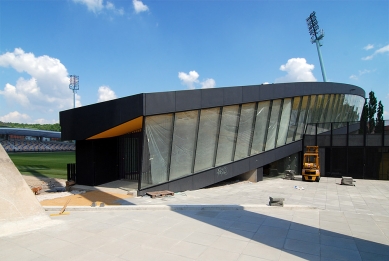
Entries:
{"x":47,"y":127}
{"x":370,"y":110}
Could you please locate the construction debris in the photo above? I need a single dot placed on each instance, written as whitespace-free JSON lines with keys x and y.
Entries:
{"x":279,"y":202}
{"x":299,"y":188}
{"x":36,"y":190}
{"x":347,"y":181}
{"x":62,"y":212}
{"x":162,"y":193}
{"x":289,"y":174}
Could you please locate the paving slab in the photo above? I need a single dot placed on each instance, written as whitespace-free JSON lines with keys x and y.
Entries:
{"x":204,"y":225}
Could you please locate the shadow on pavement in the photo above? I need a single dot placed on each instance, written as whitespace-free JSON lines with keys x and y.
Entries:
{"x":278,"y":231}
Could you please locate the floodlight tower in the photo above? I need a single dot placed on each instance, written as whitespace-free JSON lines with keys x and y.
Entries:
{"x":316,"y":36}
{"x":74,"y":86}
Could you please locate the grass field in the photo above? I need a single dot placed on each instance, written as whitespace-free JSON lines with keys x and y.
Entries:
{"x":43,"y":164}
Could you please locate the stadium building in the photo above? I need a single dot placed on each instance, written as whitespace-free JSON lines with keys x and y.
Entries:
{"x":29,"y":140}
{"x":184,"y":140}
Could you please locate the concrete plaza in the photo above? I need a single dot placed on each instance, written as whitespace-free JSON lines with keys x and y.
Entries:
{"x":323,"y":221}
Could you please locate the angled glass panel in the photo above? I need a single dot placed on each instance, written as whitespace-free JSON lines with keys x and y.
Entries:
{"x":323,"y":127}
{"x":244,"y":131}
{"x":228,"y":128}
{"x":324,"y":109}
{"x":318,"y":110}
{"x":273,"y":124}
{"x":206,"y":141}
{"x":352,"y":108}
{"x":359,"y":108}
{"x":331,"y":102}
{"x":338,"y":110}
{"x":284,"y":122}
{"x":345,"y":109}
{"x":335,"y":109}
{"x":310,"y":115}
{"x":156,"y":152}
{"x":293,"y":119}
{"x":260,"y":127}
{"x":184,"y":138}
{"x":302,"y":117}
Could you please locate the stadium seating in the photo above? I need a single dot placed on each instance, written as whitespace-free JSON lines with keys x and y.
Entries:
{"x":34,"y":145}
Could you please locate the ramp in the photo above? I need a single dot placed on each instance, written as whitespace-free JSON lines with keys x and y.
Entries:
{"x":19,"y":209}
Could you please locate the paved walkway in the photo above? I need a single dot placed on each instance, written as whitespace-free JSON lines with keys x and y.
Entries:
{"x":324,"y":221}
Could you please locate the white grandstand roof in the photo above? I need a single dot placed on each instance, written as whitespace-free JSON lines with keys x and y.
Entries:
{"x":30,"y":132}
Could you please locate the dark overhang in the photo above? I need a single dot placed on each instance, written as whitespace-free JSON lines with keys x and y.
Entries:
{"x":109,"y":117}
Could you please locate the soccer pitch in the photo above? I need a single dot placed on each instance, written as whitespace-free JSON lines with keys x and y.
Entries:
{"x":44,"y":164}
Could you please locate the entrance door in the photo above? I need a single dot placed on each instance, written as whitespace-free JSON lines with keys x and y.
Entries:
{"x":130,"y":155}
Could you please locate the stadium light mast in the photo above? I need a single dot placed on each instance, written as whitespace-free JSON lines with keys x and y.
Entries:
{"x":74,"y":86}
{"x":316,"y":36}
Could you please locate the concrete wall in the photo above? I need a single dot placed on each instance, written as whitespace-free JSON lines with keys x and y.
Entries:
{"x":19,"y":208}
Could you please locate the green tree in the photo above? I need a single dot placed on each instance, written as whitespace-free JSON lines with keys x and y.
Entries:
{"x":380,"y":118}
{"x":371,"y":111}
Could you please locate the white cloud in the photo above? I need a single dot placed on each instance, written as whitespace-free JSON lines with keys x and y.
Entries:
{"x":105,"y":94}
{"x":192,"y":79}
{"x":47,"y":89}
{"x":92,"y":5}
{"x":15,"y":117}
{"x":298,"y":70}
{"x":265,"y":83}
{"x":384,"y":49}
{"x":189,"y":79}
{"x":139,"y":6}
{"x":97,"y":6}
{"x":360,"y":73}
{"x":208,"y":83}
{"x":368,"y":47}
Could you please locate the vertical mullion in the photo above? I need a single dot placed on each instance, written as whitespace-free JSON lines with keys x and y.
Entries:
{"x":267,"y":126}
{"x":298,"y":117}
{"x":196,"y":139}
{"x":217,"y":136}
{"x":143,"y":135}
{"x":306,"y":114}
{"x":236,"y":132}
{"x":278,"y":122}
{"x":171,"y":147}
{"x":252,"y":129}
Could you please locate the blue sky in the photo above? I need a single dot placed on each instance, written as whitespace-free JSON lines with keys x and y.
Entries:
{"x":124,"y":47}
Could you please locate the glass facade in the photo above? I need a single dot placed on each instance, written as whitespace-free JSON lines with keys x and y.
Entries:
{"x":183,"y":143}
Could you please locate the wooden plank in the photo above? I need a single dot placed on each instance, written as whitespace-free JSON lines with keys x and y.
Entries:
{"x":161,"y":193}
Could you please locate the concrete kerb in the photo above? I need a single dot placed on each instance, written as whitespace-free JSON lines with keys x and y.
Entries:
{"x":179,"y":207}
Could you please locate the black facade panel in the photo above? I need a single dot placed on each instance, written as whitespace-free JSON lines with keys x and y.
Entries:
{"x":250,"y":94}
{"x":260,"y":174}
{"x":241,"y":166}
{"x":269,"y":156}
{"x":188,"y":100}
{"x":266,"y":92}
{"x":232,"y":96}
{"x":84,"y":122}
{"x":181,"y":184}
{"x":106,"y":160}
{"x":212,"y":97}
{"x":161,"y":102}
{"x":97,"y":161}
{"x":85,"y":162}
{"x":204,"y":179}
{"x":255,"y":162}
